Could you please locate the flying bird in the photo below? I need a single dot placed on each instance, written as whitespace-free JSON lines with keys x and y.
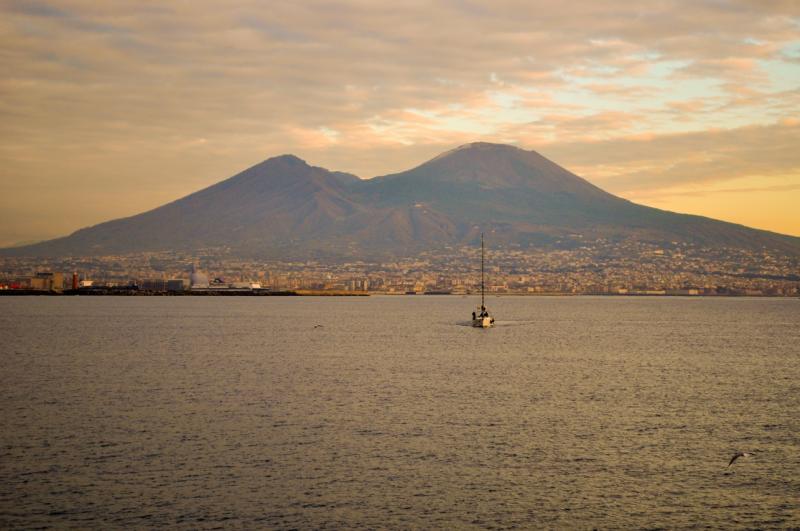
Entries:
{"x":736,"y":456}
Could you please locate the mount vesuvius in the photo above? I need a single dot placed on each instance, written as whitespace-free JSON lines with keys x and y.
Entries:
{"x":285,"y":208}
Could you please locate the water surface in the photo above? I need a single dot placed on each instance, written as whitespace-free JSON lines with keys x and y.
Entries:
{"x":389,"y":412}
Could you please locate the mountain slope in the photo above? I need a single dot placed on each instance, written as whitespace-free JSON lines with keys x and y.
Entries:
{"x":261,"y":207}
{"x":483,"y":182}
{"x":284,"y":207}
{"x":533,"y":199}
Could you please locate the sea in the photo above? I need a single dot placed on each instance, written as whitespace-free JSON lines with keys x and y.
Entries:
{"x":393,"y":413}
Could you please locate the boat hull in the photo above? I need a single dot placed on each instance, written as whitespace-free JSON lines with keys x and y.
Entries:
{"x":482,"y":322}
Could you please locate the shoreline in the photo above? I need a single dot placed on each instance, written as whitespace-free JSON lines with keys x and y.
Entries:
{"x":188,"y":293}
{"x":323,"y":293}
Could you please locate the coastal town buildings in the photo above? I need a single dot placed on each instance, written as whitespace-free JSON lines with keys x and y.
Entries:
{"x":622,"y":268}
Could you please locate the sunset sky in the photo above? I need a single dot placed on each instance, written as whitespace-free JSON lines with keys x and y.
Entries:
{"x":112,"y":108}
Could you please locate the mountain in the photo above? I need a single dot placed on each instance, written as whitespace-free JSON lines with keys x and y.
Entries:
{"x":263,"y":206}
{"x":285,"y":208}
{"x":529,"y":200}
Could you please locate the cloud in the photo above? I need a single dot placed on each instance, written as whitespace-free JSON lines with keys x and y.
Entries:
{"x":654,"y":163}
{"x":718,"y":191}
{"x":114,"y":96}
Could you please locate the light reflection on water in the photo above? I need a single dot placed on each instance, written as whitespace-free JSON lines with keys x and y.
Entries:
{"x":393,"y":412}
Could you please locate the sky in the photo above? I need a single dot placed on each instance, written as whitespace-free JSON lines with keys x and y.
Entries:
{"x":108,"y":109}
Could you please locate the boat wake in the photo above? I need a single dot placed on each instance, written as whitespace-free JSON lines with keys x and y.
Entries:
{"x":498,"y":323}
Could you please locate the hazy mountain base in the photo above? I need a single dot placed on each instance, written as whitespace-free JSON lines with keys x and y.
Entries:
{"x":283,"y":208}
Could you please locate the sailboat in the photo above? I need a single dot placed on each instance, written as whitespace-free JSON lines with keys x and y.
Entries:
{"x":481,"y":317}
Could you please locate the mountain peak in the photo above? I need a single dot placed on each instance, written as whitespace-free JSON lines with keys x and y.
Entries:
{"x":477,"y":147}
{"x":491,"y":165}
{"x":281,"y":165}
{"x":485,"y":145}
{"x":287,"y":158}
{"x":280,"y":171}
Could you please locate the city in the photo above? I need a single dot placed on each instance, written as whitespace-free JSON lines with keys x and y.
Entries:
{"x":456,"y":264}
{"x":598,"y":268}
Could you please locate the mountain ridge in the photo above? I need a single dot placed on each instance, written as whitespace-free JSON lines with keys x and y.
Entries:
{"x":284,"y":207}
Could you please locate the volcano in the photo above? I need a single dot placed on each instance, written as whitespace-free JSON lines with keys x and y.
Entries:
{"x":286,"y":208}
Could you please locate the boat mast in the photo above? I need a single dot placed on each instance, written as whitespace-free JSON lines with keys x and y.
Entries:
{"x":482,"y":303}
